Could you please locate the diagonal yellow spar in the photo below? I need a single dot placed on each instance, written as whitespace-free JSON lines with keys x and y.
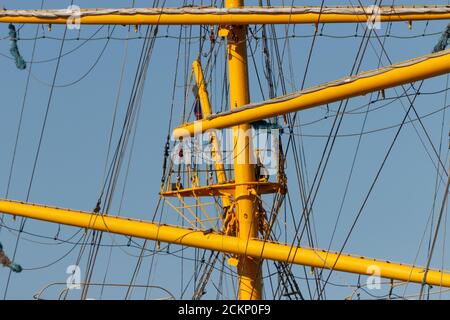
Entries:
{"x":227,"y":16}
{"x":233,"y":245}
{"x":420,"y":68}
{"x":207,"y":110}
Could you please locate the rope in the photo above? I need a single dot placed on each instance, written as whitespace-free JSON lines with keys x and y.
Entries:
{"x":14,"y":50}
{"x":6,"y":262}
{"x":37,"y":155}
{"x":433,"y":243}
{"x":443,"y":40}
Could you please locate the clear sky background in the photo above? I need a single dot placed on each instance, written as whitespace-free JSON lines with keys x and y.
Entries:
{"x":70,"y":168}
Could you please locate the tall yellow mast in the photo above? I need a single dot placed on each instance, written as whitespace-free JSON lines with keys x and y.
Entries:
{"x":249,"y":269}
{"x":233,"y":21}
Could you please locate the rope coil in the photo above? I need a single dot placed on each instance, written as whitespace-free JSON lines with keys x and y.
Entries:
{"x":4,"y":260}
{"x":443,"y":40}
{"x":14,"y":50}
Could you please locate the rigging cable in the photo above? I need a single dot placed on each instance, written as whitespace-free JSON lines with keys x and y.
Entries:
{"x":382,"y":165}
{"x":149,"y":50}
{"x":19,"y":125}
{"x":347,"y":185}
{"x":441,"y":45}
{"x":328,"y":147}
{"x":64,"y":54}
{"x":366,"y":198}
{"x":295,"y":151}
{"x":286,"y":277}
{"x":300,"y":181}
{"x":136,"y":99}
{"x":84,"y":75}
{"x":23,"y":220}
{"x":113,"y":123}
{"x":436,"y":232}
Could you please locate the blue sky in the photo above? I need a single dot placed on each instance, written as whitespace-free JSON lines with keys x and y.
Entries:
{"x":70,"y":168}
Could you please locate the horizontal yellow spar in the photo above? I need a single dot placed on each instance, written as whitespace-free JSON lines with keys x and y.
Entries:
{"x":226,"y":16}
{"x":217,"y":242}
{"x":387,"y":77}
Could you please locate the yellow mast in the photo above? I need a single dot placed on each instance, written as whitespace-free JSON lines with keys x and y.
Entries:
{"x":233,"y":21}
{"x":230,"y":16}
{"x":207,"y":111}
{"x":249,"y":268}
{"x":233,"y":245}
{"x":420,"y":68}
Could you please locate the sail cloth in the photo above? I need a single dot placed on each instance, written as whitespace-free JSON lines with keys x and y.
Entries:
{"x":4,"y":260}
{"x":383,"y":10}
